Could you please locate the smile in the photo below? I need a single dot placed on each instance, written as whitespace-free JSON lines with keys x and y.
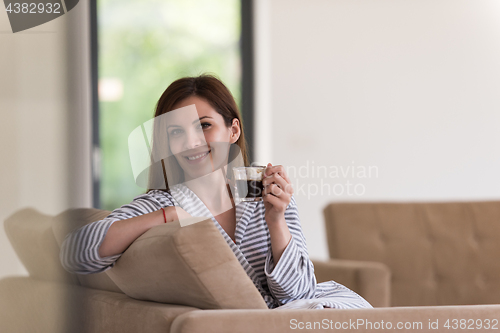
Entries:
{"x":197,"y":157}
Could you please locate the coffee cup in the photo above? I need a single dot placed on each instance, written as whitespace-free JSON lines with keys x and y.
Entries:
{"x":248,"y":183}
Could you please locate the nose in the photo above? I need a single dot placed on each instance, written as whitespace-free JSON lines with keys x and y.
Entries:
{"x":194,"y":139}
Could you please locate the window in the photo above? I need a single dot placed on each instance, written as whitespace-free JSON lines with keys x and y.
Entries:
{"x":143,"y":46}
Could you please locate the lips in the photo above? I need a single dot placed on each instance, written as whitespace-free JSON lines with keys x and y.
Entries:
{"x":195,"y":158}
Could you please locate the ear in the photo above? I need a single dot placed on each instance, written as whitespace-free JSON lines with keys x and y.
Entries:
{"x":235,"y":131}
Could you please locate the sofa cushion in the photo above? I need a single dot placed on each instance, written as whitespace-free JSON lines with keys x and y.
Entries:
{"x":191,"y":265}
{"x":30,"y":234}
{"x":71,"y":220}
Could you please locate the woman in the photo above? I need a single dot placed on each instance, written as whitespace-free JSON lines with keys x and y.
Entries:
{"x":265,"y":236}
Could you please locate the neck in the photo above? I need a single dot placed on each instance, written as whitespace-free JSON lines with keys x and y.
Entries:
{"x":213,"y":191}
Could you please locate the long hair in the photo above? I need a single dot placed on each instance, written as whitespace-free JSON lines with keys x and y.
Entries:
{"x":211,"y":89}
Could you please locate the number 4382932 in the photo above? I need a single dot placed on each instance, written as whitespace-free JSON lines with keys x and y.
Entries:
{"x":471,"y":324}
{"x":33,"y":8}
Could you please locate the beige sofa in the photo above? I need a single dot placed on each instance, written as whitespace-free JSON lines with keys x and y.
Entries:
{"x":176,"y":279}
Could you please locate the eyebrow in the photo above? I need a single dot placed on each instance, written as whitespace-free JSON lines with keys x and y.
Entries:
{"x":202,"y":118}
{"x":195,"y":121}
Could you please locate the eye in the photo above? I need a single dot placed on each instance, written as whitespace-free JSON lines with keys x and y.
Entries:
{"x":205,"y":125}
{"x":175,"y":132}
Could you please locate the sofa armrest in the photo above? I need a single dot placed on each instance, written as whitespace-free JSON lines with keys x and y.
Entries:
{"x":31,"y":305}
{"x":395,"y":319}
{"x":369,"y":279}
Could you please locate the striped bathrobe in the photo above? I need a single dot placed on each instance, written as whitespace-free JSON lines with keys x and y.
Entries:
{"x":289,"y":284}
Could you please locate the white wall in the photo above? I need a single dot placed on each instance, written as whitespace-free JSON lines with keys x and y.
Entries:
{"x":410,"y":87}
{"x":44,"y":124}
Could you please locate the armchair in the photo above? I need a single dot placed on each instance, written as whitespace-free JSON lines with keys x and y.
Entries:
{"x":444,"y":253}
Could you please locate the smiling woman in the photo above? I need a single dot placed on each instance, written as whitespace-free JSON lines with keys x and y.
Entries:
{"x":213,"y":119}
{"x":196,"y":125}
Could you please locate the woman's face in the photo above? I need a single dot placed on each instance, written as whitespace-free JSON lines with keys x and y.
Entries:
{"x":199,"y":140}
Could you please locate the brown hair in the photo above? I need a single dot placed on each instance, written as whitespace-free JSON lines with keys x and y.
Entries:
{"x":211,"y":89}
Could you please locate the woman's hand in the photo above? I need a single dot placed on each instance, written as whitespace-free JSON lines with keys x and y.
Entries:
{"x":277,"y":193}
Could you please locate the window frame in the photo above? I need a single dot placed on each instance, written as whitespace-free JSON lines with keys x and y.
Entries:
{"x":247,"y":88}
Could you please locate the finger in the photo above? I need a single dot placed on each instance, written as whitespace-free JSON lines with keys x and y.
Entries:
{"x":287,"y":188}
{"x":273,"y":189}
{"x":276,"y":179}
{"x":267,"y":172}
{"x":283,"y":184}
{"x":270,"y":169}
{"x":282,"y":172}
{"x":285,"y":176}
{"x":268,"y":180}
{"x":279,"y":169}
{"x":277,"y":203}
{"x":280,"y":181}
